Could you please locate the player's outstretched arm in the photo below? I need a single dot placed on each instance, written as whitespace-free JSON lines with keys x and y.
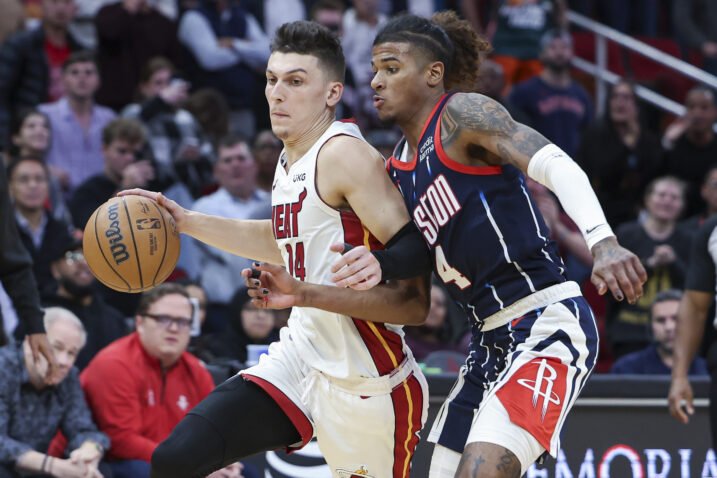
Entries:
{"x":690,"y":325}
{"x":403,"y":302}
{"x":473,"y":123}
{"x":247,"y":238}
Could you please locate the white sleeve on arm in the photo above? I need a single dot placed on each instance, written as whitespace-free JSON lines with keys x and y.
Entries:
{"x":254,"y":49}
{"x":196,"y":34}
{"x":553,"y":168}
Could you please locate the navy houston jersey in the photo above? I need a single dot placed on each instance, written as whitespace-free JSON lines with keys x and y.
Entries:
{"x":489,"y":242}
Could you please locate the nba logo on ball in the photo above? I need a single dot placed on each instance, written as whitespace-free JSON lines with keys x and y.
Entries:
{"x":131,"y":243}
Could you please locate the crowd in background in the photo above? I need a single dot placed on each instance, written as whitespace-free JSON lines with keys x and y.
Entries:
{"x":98,"y":96}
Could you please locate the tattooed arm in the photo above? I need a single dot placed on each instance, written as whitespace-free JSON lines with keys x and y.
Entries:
{"x":476,"y":130}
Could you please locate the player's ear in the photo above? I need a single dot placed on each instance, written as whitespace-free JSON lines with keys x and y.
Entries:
{"x":336,"y":89}
{"x":434,"y":73}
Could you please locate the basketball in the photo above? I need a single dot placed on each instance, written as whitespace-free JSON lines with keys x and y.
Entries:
{"x":131,"y":243}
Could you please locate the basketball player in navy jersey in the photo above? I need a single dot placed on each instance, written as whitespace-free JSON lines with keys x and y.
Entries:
{"x":460,"y":168}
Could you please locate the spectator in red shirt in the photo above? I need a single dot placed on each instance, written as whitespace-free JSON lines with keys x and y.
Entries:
{"x":140,"y":386}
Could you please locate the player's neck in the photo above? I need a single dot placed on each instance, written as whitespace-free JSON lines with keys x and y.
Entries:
{"x":297,"y":148}
{"x":412,"y":125}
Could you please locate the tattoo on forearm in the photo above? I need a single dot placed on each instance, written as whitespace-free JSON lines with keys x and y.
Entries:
{"x":468,"y":459}
{"x":509,"y":463}
{"x":528,"y":141}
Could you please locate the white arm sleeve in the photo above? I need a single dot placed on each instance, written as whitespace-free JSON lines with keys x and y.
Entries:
{"x":553,"y":168}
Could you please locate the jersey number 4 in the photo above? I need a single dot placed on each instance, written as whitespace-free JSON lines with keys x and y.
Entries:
{"x":296,"y":261}
{"x":449,"y":273}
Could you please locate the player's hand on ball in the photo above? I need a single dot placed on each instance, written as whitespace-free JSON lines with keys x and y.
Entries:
{"x":178,"y":213}
{"x":356,"y":268}
{"x":617,"y":269}
{"x":271,"y":287}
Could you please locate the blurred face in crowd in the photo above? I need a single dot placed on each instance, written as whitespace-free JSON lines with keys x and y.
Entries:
{"x":236,"y":170}
{"x":58,"y":13}
{"x":623,"y":107}
{"x":196,"y":292}
{"x":28,"y":185}
{"x":331,"y":19}
{"x":665,"y":201}
{"x":664,"y":322}
{"x":73,"y":274}
{"x":156,"y":83}
{"x":81,"y":80}
{"x":66,"y":340}
{"x":257,"y":323}
{"x":298,"y":93}
{"x":491,"y":79}
{"x":34,"y":135}
{"x":164,"y":329}
{"x":557,"y":55}
{"x":709,"y":191}
{"x":437,"y":312}
{"x":366,"y":8}
{"x":701,"y":111}
{"x":266,"y":152}
{"x":118,"y":155}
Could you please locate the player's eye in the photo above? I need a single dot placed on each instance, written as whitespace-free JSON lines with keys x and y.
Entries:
{"x":270,"y":80}
{"x":296,"y":81}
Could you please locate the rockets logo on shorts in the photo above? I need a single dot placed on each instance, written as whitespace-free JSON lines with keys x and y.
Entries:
{"x":534,"y":397}
{"x":362,"y":472}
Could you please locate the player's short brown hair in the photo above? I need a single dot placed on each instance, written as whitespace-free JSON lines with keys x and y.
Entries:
{"x":310,"y":38}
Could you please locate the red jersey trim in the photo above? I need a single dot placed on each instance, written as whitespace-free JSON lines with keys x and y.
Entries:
{"x":456,"y":166}
{"x":409,"y":166}
{"x":408,"y":412}
{"x":297,"y":417}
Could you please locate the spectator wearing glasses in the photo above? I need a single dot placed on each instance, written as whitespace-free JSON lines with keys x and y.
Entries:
{"x":123,"y":143}
{"x":76,"y":290}
{"x":155,"y":381}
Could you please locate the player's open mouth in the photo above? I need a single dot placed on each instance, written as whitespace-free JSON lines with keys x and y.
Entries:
{"x":377,"y":101}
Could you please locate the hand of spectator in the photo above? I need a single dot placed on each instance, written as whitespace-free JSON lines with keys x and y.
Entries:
{"x":617,"y":269}
{"x":137,"y":174}
{"x":189,"y":153}
{"x":356,"y":268}
{"x":87,"y":454}
{"x":675,"y":130}
{"x":179,"y":214}
{"x":175,"y":93}
{"x":681,"y":391}
{"x":62,"y":177}
{"x":273,"y":289}
{"x":225,"y":42}
{"x":232,"y":471}
{"x":133,"y":6}
{"x":663,"y":255}
{"x":40,"y":346}
{"x":66,"y":469}
{"x":709,"y":49}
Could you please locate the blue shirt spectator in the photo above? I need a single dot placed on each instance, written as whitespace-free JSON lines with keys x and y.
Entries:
{"x":556,"y":106}
{"x":31,"y":412}
{"x":648,"y":361}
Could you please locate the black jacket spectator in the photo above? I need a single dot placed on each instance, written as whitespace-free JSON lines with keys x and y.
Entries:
{"x":54,"y":239}
{"x":24,"y":75}
{"x":125,"y":42}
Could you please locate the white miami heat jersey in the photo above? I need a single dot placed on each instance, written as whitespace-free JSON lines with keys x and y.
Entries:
{"x":304,"y":228}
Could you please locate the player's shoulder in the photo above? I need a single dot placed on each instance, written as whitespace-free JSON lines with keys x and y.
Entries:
{"x":476,"y":112}
{"x":349,"y":150}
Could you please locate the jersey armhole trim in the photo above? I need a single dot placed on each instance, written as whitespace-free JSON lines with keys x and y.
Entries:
{"x":456,"y":166}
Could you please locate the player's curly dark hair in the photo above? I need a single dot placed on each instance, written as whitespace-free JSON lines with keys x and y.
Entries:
{"x":310,"y":38}
{"x":468,"y":46}
{"x":445,"y":38}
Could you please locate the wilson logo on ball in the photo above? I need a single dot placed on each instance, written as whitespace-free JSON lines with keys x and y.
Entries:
{"x":150,"y":223}
{"x":114,"y":234}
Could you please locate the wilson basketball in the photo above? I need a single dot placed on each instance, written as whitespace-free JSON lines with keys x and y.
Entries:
{"x":131,"y":243}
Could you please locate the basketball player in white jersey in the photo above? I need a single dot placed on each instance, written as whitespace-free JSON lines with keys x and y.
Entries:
{"x":352,"y":383}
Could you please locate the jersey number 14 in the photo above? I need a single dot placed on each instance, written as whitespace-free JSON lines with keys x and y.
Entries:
{"x":296,"y":261}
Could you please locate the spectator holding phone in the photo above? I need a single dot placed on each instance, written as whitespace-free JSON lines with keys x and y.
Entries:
{"x":184,"y":155}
